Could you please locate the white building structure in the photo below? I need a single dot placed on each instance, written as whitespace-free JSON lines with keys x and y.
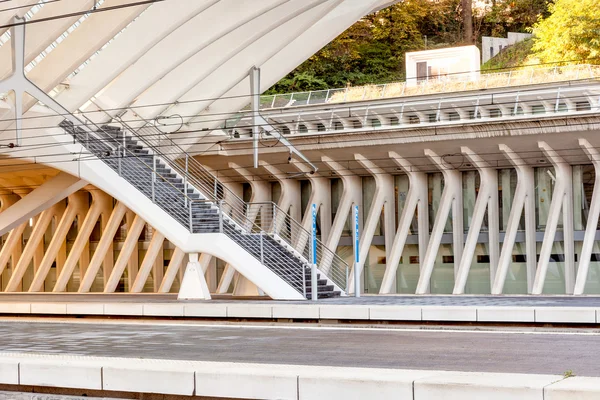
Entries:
{"x":453,"y":63}
{"x":492,"y":46}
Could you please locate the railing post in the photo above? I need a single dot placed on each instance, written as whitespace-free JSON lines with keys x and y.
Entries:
{"x":262,"y":254}
{"x":191,"y":223}
{"x":274,"y":219}
{"x":221,"y":216}
{"x":313,"y":270}
{"x":185,"y":179}
{"x":153,"y":178}
{"x":119,"y":156}
{"x":216,"y":189}
{"x":308,"y":99}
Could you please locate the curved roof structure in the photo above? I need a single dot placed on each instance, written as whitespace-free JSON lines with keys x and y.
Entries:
{"x":184,"y":57}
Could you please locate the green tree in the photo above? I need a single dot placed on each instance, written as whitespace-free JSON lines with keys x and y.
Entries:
{"x":571,"y":32}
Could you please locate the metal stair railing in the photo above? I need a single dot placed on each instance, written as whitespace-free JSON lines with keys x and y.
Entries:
{"x":112,"y":150}
{"x":281,"y":225}
{"x":196,"y":175}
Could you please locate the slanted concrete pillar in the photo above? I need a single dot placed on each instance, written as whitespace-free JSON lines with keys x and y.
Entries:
{"x":193,"y":286}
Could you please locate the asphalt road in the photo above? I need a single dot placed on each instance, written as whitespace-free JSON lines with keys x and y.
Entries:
{"x":487,"y":351}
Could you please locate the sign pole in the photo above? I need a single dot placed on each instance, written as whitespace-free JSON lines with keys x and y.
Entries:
{"x":356,"y":253}
{"x":313,"y":268}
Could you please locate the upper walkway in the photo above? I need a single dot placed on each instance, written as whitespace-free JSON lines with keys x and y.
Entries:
{"x":516,"y":95}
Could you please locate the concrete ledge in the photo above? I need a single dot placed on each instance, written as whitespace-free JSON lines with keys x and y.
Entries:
{"x":15,"y":308}
{"x":85,"y":308}
{"x":395,"y":313}
{"x":163,"y":310}
{"x":205,"y":310}
{"x":583,"y":315}
{"x":449,"y":313}
{"x":505,"y":314}
{"x":358,"y":383}
{"x":249,"y":310}
{"x":575,"y":388}
{"x":343,"y":312}
{"x":477,"y":386}
{"x":9,"y":371}
{"x":238,"y":380}
{"x":149,"y":376}
{"x":247,"y":381}
{"x":134,"y":309}
{"x":49,"y":308}
{"x":68,"y":373}
{"x":296,"y":311}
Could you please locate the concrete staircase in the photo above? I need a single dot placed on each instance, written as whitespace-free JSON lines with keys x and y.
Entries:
{"x":137,"y":164}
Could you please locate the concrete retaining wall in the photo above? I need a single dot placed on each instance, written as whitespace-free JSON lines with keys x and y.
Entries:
{"x":255,"y":310}
{"x":266,"y":381}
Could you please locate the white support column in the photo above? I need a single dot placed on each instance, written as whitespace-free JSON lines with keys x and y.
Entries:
{"x":416,"y":200}
{"x":104,"y":245}
{"x":562,"y":198}
{"x":127,"y":250}
{"x":384,"y":196}
{"x":193,"y":286}
{"x":487,"y":199}
{"x":320,"y":194}
{"x":261,"y":191}
{"x":156,"y":245}
{"x":352,"y":195}
{"x":451,"y":201}
{"x":289,"y":200}
{"x":592,"y":220}
{"x":523,"y":202}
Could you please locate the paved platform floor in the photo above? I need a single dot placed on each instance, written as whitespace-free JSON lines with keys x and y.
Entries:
{"x":367,"y":300}
{"x":522,"y":351}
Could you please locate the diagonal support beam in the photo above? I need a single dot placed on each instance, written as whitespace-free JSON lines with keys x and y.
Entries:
{"x":487,"y":199}
{"x":523,"y":202}
{"x":416,"y":202}
{"x":592,"y":220}
{"x":156,"y":245}
{"x":172,"y":270}
{"x":104,"y":245}
{"x":383,"y":199}
{"x":562,"y":199}
{"x":129,"y":247}
{"x":48,"y":194}
{"x":451,"y":201}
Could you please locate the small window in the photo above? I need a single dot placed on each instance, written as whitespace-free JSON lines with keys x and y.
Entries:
{"x":472,"y":114}
{"x":483,"y":259}
{"x":285,"y":130}
{"x":519,"y":111}
{"x":432,"y":117}
{"x":495,"y":113}
{"x":413,"y":259}
{"x":453,"y":116}
{"x":321,"y":127}
{"x":394,"y":121}
{"x":519,"y":258}
{"x":375,"y":123}
{"x":338,"y":126}
{"x":582,"y":106}
{"x":562,"y":107}
{"x":447,"y":259}
{"x":538,"y":109}
{"x":302,"y":128}
{"x":413,"y":119}
{"x":356,"y":124}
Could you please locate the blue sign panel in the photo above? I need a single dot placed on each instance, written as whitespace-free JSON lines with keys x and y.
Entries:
{"x":356,"y":237}
{"x":314,"y":233}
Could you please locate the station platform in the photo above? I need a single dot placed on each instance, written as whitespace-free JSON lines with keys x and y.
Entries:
{"x":367,"y":309}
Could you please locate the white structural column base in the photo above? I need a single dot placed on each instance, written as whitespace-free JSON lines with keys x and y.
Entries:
{"x":193,"y":286}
